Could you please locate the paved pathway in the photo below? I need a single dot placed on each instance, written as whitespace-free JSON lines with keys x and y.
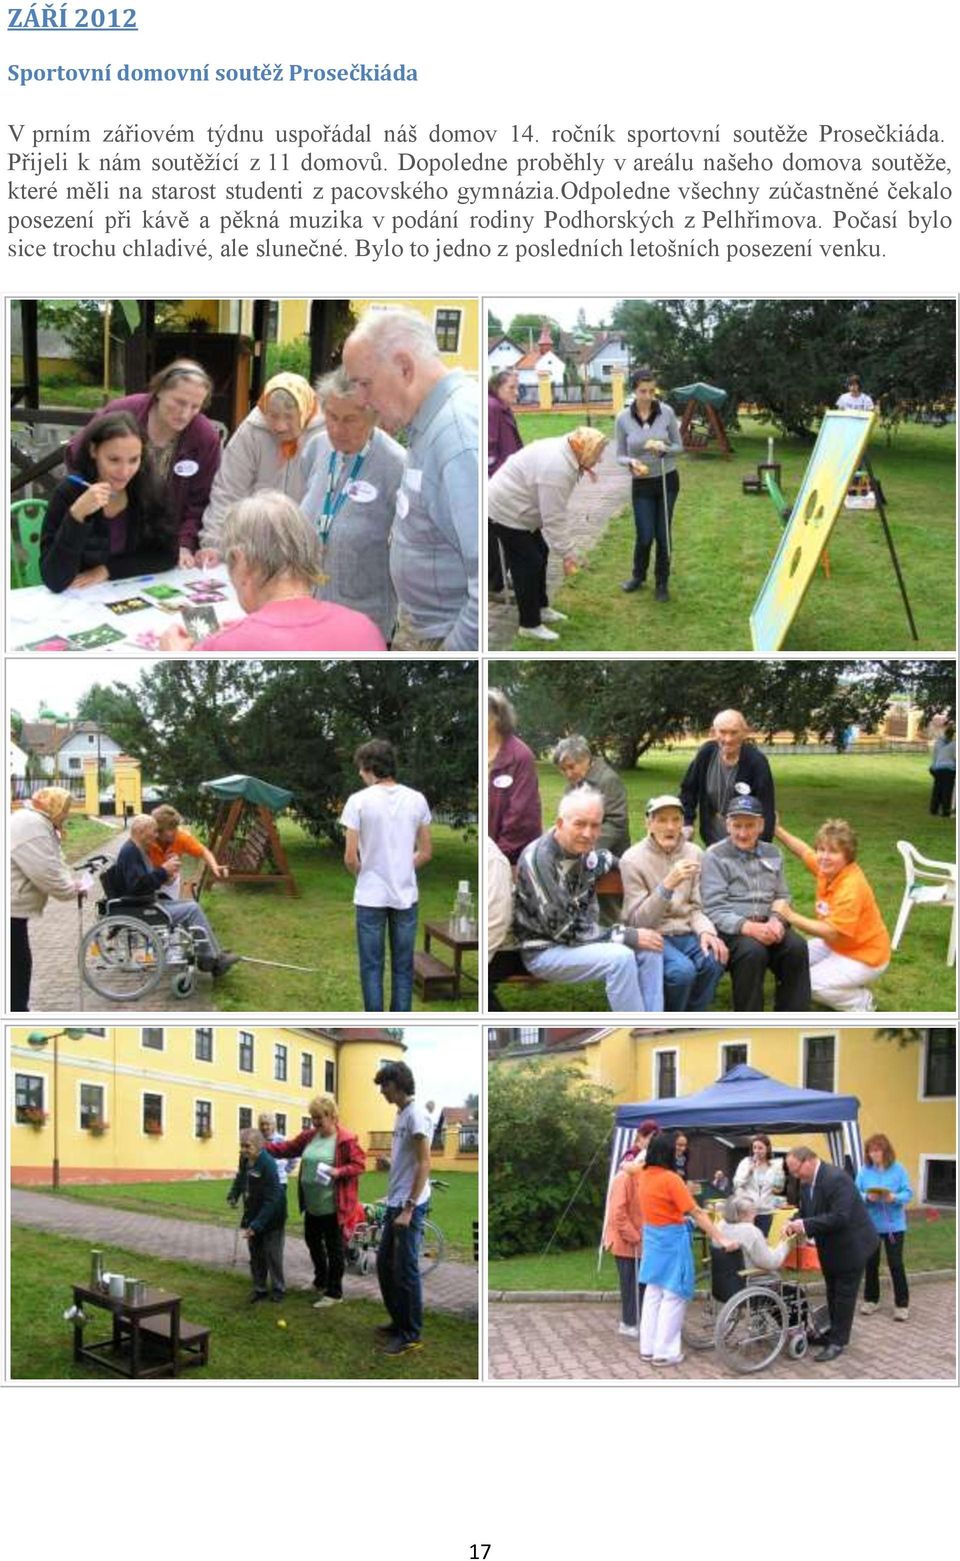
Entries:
{"x":453,"y":1287}
{"x":592,"y":505}
{"x":56,"y":985}
{"x":557,"y":1339}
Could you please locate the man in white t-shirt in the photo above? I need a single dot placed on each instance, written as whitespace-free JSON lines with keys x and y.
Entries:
{"x":854,"y":398}
{"x":388,"y":838}
{"x":408,"y":1200}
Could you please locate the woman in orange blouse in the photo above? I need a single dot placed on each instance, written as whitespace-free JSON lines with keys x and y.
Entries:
{"x":849,"y":945}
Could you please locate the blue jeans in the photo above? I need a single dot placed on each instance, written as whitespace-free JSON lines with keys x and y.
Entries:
{"x":398,"y":1271}
{"x":651,"y":525}
{"x":634,"y":981}
{"x":372,"y":924}
{"x":690,"y":977}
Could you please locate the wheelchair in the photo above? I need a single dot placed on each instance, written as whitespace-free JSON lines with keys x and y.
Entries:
{"x":751,"y":1316}
{"x":360,"y":1250}
{"x":134,"y":943}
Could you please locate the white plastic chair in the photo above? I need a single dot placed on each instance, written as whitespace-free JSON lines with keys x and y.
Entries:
{"x":928,"y":883}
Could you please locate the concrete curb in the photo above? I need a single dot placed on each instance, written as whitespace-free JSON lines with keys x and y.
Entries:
{"x":573,"y":1297}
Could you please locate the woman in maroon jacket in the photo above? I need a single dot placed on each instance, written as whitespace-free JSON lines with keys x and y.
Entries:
{"x":331,"y":1164}
{"x":514,"y":816}
{"x":181,"y":446}
{"x":503,"y":439}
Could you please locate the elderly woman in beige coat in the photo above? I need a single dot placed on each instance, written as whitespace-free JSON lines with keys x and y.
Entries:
{"x":661,"y":891}
{"x":37,"y":872}
{"x":265,"y":453}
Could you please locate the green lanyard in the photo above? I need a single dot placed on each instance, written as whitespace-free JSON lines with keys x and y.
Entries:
{"x":337,"y":493}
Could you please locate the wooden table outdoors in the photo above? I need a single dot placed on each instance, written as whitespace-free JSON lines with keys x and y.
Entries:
{"x":139,"y":1331}
{"x":433,"y":976}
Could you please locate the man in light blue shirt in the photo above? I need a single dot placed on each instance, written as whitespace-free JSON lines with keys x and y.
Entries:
{"x":393,"y":360}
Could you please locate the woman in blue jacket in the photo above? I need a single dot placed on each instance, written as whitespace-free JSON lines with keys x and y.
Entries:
{"x":884,"y":1187}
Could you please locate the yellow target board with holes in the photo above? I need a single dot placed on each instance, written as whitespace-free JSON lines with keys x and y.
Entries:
{"x":836,"y":455}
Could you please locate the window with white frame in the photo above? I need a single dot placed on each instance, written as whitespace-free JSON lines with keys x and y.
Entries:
{"x":244,"y":1117}
{"x":203,"y":1118}
{"x":203,"y":1043}
{"x":245,"y":1052}
{"x":28,"y":1090}
{"x":151,"y":1036}
{"x":306,"y":1070}
{"x":280,"y":1063}
{"x":447,"y":327}
{"x":529,"y":1035}
{"x":733,"y":1054}
{"x":152,"y":1120}
{"x":92,"y":1108}
{"x":329,"y":1077}
{"x":666,"y":1075}
{"x":282,"y":1123}
{"x":940,"y":1181}
{"x":940,"y":1065}
{"x":305,"y":1124}
{"x":819,"y":1061}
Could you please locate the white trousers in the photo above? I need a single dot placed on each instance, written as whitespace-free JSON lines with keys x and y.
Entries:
{"x":661,"y":1322}
{"x":840,"y":982}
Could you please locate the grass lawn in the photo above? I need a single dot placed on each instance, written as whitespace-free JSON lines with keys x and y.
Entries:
{"x":246,"y":1341}
{"x":317,"y":928}
{"x":454,"y":1207}
{"x":724,"y":543}
{"x":885,"y":798}
{"x":930,"y":1247}
{"x":84,"y":837}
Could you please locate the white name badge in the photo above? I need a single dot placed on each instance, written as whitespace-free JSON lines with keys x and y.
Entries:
{"x":361,"y":492}
{"x":772,"y":867}
{"x":823,"y":908}
{"x":502,"y":782}
{"x":413,"y":480}
{"x":186,"y":468}
{"x":403,"y":504}
{"x":741,"y":788}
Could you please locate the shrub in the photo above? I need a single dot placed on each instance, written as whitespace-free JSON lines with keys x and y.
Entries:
{"x":549,"y":1132}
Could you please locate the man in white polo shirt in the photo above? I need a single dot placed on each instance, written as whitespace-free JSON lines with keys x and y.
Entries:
{"x":408,"y":1199}
{"x":388,"y":838}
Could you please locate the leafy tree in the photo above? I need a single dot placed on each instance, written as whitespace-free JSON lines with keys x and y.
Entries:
{"x":624,"y":708}
{"x":494,"y":324}
{"x":296,"y":724}
{"x":472,"y":1103}
{"x":16,"y":725}
{"x":80,"y":323}
{"x":525,"y":329}
{"x":549,"y":1132}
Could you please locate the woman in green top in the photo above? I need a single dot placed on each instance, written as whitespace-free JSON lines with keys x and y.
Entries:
{"x":331,"y":1164}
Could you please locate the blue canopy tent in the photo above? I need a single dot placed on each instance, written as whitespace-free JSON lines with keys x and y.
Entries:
{"x":746,"y":1101}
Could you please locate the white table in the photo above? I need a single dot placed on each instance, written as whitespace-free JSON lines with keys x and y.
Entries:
{"x":35,"y":613}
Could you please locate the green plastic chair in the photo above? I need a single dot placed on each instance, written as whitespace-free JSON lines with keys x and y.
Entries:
{"x":26,"y":523}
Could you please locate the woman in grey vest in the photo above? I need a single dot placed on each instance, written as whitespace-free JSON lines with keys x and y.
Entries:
{"x":353,"y":471}
{"x":648,"y":442}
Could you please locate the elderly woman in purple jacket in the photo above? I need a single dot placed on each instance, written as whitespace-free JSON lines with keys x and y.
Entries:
{"x":514,"y":816}
{"x":181,"y":445}
{"x":503,"y":439}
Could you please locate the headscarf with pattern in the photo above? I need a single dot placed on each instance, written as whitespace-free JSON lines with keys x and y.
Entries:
{"x":302,"y":393}
{"x":587,"y":445}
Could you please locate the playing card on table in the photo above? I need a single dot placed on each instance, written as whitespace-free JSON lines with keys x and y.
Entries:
{"x":90,"y":639}
{"x":127,"y":605}
{"x":52,"y":642}
{"x":199,"y":620}
{"x":163,"y":593}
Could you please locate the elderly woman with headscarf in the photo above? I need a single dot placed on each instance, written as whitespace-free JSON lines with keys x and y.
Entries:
{"x":181,"y":445}
{"x":528,"y":501}
{"x":352,"y":473}
{"x":273,"y":560}
{"x":266,"y":452}
{"x":37,"y":872}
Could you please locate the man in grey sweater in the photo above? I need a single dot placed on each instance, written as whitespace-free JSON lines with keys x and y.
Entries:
{"x":394,"y":362}
{"x":740,"y":879}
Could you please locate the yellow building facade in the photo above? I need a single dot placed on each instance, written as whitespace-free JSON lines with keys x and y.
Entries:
{"x":906,"y":1091}
{"x":166,"y":1102}
{"x":455,"y":322}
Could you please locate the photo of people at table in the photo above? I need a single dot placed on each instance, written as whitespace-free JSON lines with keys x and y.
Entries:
{"x":338,"y":513}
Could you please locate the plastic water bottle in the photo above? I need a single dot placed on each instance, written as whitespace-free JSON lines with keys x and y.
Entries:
{"x":462,"y":920}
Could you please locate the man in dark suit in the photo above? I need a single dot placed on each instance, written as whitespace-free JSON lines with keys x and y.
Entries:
{"x":834,"y":1214}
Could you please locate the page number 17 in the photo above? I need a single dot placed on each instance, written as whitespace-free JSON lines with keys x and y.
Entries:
{"x":479,"y":1552}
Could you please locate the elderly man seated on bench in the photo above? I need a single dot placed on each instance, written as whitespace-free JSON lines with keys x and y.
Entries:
{"x":137,"y":879}
{"x":556,"y":916}
{"x":740,"y":878}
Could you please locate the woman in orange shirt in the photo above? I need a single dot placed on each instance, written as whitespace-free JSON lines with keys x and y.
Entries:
{"x":666,"y":1267}
{"x":849,"y":945}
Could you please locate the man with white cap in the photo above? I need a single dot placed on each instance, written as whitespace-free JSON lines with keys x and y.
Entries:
{"x":661,"y":891}
{"x":740,"y":879}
